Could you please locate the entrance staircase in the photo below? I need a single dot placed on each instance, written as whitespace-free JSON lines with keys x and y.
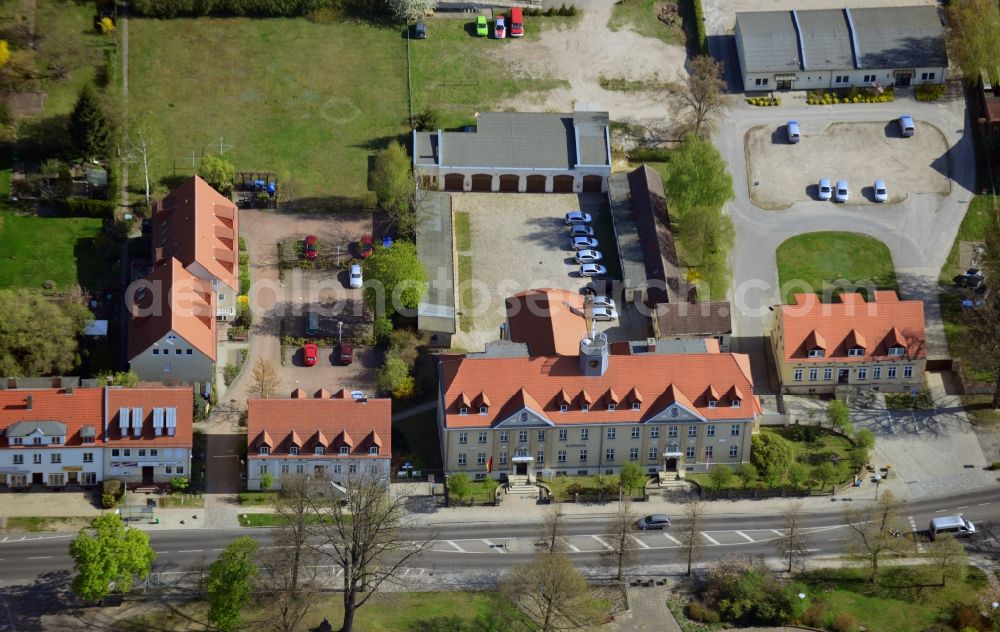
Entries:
{"x":521,"y":485}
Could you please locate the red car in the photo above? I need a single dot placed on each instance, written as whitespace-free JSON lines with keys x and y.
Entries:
{"x":310,"y":354}
{"x":311,"y":247}
{"x":366,"y":246}
{"x":345,"y":354}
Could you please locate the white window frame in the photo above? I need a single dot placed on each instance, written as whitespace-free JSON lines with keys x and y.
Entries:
{"x":797,"y":375}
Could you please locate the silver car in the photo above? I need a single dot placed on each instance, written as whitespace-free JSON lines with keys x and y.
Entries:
{"x":604,"y":313}
{"x":579,"y":230}
{"x":578,"y":217}
{"x":842,"y":193}
{"x":602,"y":301}
{"x":880,"y":192}
{"x":589,"y":256}
{"x":583,"y":243}
{"x":592,"y":270}
{"x":825,"y":189}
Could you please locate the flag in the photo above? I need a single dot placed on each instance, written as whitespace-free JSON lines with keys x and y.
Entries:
{"x":489,"y":466}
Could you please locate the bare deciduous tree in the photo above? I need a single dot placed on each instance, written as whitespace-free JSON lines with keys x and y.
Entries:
{"x":793,"y":546}
{"x":700,"y":98}
{"x":622,"y":554}
{"x":689,"y":537}
{"x":870,"y":527}
{"x":141,"y":140}
{"x":551,"y":592}
{"x":949,"y":555}
{"x":553,"y":529}
{"x":983,"y":320}
{"x":264,"y":379}
{"x":360,"y":530}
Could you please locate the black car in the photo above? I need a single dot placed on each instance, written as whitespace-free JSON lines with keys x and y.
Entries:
{"x":420,"y":30}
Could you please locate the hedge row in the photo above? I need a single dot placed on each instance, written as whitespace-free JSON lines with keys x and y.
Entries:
{"x":85,"y":207}
{"x":696,"y":14}
{"x":257,"y":8}
{"x":649,"y":154}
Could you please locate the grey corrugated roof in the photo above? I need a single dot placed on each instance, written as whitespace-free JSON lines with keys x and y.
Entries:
{"x":826,"y":39}
{"x":424,"y":153}
{"x":434,"y":248}
{"x":47,"y":428}
{"x":525,"y":140}
{"x":900,"y":37}
{"x":769,"y":41}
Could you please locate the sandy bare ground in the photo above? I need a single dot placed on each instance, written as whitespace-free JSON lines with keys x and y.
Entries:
{"x":581,"y":54}
{"x":779,"y":174}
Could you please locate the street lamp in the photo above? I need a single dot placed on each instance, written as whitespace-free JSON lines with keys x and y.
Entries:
{"x":878,"y":479}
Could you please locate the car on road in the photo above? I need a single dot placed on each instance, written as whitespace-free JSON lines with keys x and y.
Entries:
{"x":602,"y":301}
{"x":310,"y":247}
{"x":578,"y":217}
{"x":589,"y":256}
{"x":880,"y":192}
{"x":500,"y":30}
{"x":482,"y":26}
{"x":842,"y":194}
{"x":420,"y":30}
{"x":825,"y":189}
{"x":356,"y":279}
{"x":310,"y":354}
{"x":592,"y":270}
{"x":906,"y":126}
{"x":365,"y":248}
{"x":793,"y":132}
{"x":653,"y":521}
{"x":345,"y":354}
{"x":604,"y":313}
{"x":582,"y":243}
{"x":581,"y":230}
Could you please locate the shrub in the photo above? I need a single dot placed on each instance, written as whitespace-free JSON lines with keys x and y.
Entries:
{"x":649,"y":154}
{"x":200,"y":407}
{"x":995,"y":465}
{"x":112,"y":493}
{"x":697,"y":612}
{"x":844,"y":622}
{"x":815,"y":616}
{"x":930,"y":92}
{"x":967,"y":617}
{"x":178,"y":484}
{"x":85,"y":207}
{"x":427,"y":120}
{"x":229,"y":373}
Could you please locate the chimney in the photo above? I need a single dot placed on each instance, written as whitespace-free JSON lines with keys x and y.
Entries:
{"x":29,"y":401}
{"x":651,"y":345}
{"x":69,"y":390}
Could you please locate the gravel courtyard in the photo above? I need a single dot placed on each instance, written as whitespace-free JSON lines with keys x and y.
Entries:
{"x":857,"y":152}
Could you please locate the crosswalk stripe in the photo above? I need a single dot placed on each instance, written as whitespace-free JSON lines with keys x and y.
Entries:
{"x":457,"y":548}
{"x":603,"y":543}
{"x":672,"y":539}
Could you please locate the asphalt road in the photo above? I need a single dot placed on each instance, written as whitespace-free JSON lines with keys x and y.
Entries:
{"x":465,"y":547}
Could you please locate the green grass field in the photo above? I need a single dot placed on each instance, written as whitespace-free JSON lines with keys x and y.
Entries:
{"x":308,"y":101}
{"x":640,"y":16}
{"x":36,"y":249}
{"x":973,"y":228}
{"x":813,"y":261}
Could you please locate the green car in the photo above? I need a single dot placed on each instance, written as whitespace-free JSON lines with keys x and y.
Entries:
{"x":482,"y":26}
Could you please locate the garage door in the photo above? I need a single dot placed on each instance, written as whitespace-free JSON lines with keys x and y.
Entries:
{"x":482,"y":182}
{"x":508,"y":184}
{"x":562,"y":184}
{"x":454,"y":182}
{"x":535,"y":184}
{"x":591,"y":184}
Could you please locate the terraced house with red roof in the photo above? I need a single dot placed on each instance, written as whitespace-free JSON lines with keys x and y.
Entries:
{"x":852,"y":343}
{"x":327,"y":436}
{"x":55,"y":438}
{"x":507,"y":413}
{"x":194,"y":283}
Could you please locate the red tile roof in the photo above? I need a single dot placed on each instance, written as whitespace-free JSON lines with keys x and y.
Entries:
{"x":172,"y":299}
{"x":852,"y":322}
{"x":542,"y":383}
{"x":357,"y":424}
{"x":196,"y":224}
{"x":549,"y":321}
{"x":81,"y":407}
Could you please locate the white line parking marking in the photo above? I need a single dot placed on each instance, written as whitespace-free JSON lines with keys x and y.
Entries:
{"x":640,"y":542}
{"x":41,"y":557}
{"x":709,"y":538}
{"x":457,"y":548}
{"x":748,"y":538}
{"x":603,"y":543}
{"x":571,"y":546}
{"x":777,"y":533}
{"x":983,"y":504}
{"x":964,"y":507}
{"x":672,"y":539}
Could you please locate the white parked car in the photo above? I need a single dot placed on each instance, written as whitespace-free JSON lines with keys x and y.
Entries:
{"x":583,"y":243}
{"x":356,"y":280}
{"x":842,"y":194}
{"x":825,"y":189}
{"x":578,"y":217}
{"x":589,"y":256}
{"x":602,"y":301}
{"x":581,"y":230}
{"x":592,"y":270}
{"x":881,"y":194}
{"x":604,"y":313}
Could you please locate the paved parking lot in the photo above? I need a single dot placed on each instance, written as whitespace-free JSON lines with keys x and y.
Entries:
{"x":519,"y":242}
{"x":857,"y":152}
{"x":359,"y":376}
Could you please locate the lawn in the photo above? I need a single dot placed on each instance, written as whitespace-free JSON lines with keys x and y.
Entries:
{"x":960,"y":344}
{"x":38,"y":249}
{"x":46,"y":524}
{"x":256,"y":499}
{"x":311,"y":102}
{"x":814,"y":261}
{"x":908,"y":597}
{"x":180,"y":501}
{"x":466,"y":293}
{"x":973,"y":228}
{"x":416,"y":440}
{"x":459,"y":74}
{"x":463,"y":232}
{"x":640,"y":16}
{"x":565,"y":487}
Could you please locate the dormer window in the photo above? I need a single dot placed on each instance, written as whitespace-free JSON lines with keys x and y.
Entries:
{"x":264,"y":450}
{"x":712,"y":403}
{"x":896,"y":350}
{"x":856,"y":352}
{"x":585,"y":408}
{"x":294,"y":450}
{"x":319,"y":450}
{"x":736,"y":403}
{"x":344,"y":449}
{"x":563,"y":408}
{"x":612,"y":407}
{"x":373,"y":450}
{"x":55,"y":440}
{"x":816,"y":353}
{"x":18,"y":441}
{"x":463,"y":411}
{"x":484,"y":410}
{"x":636,"y":405}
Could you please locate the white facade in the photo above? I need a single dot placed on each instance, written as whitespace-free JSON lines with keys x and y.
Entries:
{"x":51,"y":466}
{"x":336,"y":468}
{"x":173,"y":358}
{"x":152,"y":464}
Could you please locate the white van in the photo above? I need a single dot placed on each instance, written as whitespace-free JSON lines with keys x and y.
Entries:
{"x":955,"y":525}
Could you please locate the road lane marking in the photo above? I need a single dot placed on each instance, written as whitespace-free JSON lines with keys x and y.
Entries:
{"x":496,"y":547}
{"x":457,"y":548}
{"x":672,"y":539}
{"x":777,"y":533}
{"x":191,"y":551}
{"x":983,"y":504}
{"x":640,"y":542}
{"x":598,"y":539}
{"x":4,"y":539}
{"x":571,"y":546}
{"x":964,"y":507}
{"x":41,"y":557}
{"x":748,"y":538}
{"x":217,"y":549}
{"x":709,"y":538}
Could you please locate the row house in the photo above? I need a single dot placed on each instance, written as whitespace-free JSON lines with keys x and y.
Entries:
{"x":81,"y":436}
{"x":327,"y":436}
{"x":878,"y":344}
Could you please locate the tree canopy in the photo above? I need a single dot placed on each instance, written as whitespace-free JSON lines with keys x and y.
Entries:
{"x":770,"y":452}
{"x":700,"y":97}
{"x":972,"y":36}
{"x":37,"y":335}
{"x":89,"y":126}
{"x":109,"y":554}
{"x":632,"y":476}
{"x":217,"y":172}
{"x":394,"y":279}
{"x":393,"y":185}
{"x":410,"y":10}
{"x":231,"y":582}
{"x":697,"y":177}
